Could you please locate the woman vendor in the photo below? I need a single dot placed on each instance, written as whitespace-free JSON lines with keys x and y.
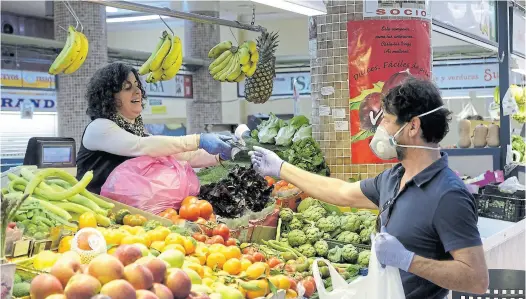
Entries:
{"x":116,"y":132}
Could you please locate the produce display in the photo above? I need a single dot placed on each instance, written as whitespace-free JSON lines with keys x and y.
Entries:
{"x":73,"y":55}
{"x":518,"y":147}
{"x":233,"y":64}
{"x":518,"y":94}
{"x":258,"y":87}
{"x":165,"y":61}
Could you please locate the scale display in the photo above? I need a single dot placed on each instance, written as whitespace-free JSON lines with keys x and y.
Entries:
{"x":56,"y":154}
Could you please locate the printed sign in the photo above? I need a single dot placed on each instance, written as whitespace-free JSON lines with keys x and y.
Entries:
{"x":284,"y":84}
{"x":519,"y":31}
{"x":382,"y":53}
{"x":389,"y":8}
{"x":27,"y":79}
{"x":13,"y":99}
{"x":466,"y":76}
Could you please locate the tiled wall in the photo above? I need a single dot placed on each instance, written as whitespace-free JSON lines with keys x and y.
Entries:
{"x":329,"y":67}
{"x":206,"y":106}
{"x":71,"y":105}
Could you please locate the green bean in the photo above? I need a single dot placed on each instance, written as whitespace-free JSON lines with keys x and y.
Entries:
{"x":81,"y":185}
{"x":53,"y":208}
{"x":59,"y":182}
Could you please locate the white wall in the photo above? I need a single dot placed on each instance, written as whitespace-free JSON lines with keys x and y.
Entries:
{"x":293,"y":40}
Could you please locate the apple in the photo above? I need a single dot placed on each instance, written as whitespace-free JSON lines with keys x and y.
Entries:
{"x":173,"y":257}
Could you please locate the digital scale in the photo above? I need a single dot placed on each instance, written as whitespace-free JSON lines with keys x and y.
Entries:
{"x":51,"y":152}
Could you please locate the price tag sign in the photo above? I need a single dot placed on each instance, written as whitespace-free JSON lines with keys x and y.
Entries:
{"x":341,"y":126}
{"x":338,"y":113}
{"x":325,"y":110}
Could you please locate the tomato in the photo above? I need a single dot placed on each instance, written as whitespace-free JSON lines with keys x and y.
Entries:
{"x":270,"y":181}
{"x":205,"y":226}
{"x":249,"y":250}
{"x":176,"y":219}
{"x":168,"y":213}
{"x":248,"y":257}
{"x":222,"y":230}
{"x":87,"y":219}
{"x":258,"y":257}
{"x":199,"y":237}
{"x":189,"y":212}
{"x":231,"y":242}
{"x":205,"y":209}
{"x":189,"y":200}
{"x":282,"y":183}
{"x":216,"y":240}
{"x":309,"y":285}
{"x":134,"y":220}
{"x":293,"y":284}
{"x":212,"y":218}
{"x":273,"y":262}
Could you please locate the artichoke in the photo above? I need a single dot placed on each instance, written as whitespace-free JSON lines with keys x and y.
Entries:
{"x":313,"y":234}
{"x":349,"y":237}
{"x":328,"y":224}
{"x":314,"y":213}
{"x":342,"y":237}
{"x":296,"y":238}
{"x":307,"y":250}
{"x":365,"y":234}
{"x":286,"y":214}
{"x":363,"y":258}
{"x":284,"y":235}
{"x":322,"y":248}
{"x":349,"y":253}
{"x":326,"y":236}
{"x":295,"y":223}
{"x":306,"y":203}
{"x":335,"y":255}
{"x":350,"y":223}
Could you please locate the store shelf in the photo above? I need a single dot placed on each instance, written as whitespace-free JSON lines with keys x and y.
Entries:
{"x":474,"y":159}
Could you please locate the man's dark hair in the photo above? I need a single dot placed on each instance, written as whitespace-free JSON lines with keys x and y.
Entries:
{"x":414,"y":97}
{"x":104,"y":84}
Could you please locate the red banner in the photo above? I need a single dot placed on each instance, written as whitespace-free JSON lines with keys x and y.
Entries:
{"x":381,"y":54}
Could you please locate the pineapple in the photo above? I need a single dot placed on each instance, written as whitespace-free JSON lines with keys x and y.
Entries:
{"x":258,"y":88}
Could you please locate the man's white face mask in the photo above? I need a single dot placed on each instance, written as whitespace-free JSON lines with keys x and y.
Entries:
{"x":384,"y":145}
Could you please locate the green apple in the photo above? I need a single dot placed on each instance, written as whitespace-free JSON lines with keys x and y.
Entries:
{"x":194,"y":277}
{"x":145,"y":251}
{"x":173,"y":257}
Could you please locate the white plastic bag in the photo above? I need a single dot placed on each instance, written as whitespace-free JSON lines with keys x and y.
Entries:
{"x":468,"y":110}
{"x":511,"y":185}
{"x":380,"y":283}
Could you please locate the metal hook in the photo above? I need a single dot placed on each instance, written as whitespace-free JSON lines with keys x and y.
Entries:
{"x":160,"y":17}
{"x":231,"y":32}
{"x":501,"y":57}
{"x":74,"y":14}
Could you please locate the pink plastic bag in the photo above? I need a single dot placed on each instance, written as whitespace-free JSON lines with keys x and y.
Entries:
{"x":151,"y":184}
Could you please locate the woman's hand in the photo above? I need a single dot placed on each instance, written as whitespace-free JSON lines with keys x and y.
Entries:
{"x":215,"y":144}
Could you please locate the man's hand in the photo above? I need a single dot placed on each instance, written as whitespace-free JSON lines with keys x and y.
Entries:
{"x":266,"y":162}
{"x":391,"y":252}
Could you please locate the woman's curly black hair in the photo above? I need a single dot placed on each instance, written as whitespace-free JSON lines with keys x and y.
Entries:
{"x":104,"y":84}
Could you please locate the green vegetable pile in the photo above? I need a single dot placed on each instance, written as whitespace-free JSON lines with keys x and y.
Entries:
{"x":21,"y":284}
{"x":307,"y":155}
{"x":518,"y":144}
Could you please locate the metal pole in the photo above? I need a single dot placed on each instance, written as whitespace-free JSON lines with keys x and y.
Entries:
{"x":504,"y":75}
{"x":177,"y":14}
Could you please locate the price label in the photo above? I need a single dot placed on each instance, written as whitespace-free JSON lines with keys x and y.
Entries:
{"x":341,"y":126}
{"x":338,"y":113}
{"x":325,"y":110}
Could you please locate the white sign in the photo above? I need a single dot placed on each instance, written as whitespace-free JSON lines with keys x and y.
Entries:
{"x":324,"y":110}
{"x":466,"y":76}
{"x":341,"y":125}
{"x":43,"y":101}
{"x":383,"y":8}
{"x":284,"y":84}
{"x":519,"y":31}
{"x":338,"y":113}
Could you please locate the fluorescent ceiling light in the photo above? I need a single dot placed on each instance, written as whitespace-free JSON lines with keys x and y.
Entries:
{"x":111,"y":9}
{"x":293,"y":7}
{"x":133,"y":19}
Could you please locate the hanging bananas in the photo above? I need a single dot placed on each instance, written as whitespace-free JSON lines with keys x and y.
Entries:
{"x":233,"y":64}
{"x":165,"y":61}
{"x":72,"y":55}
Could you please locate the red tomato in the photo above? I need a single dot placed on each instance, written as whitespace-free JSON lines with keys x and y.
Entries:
{"x":231,"y":242}
{"x":199,"y":237}
{"x":248,"y":257}
{"x":273,"y":262}
{"x":168,"y":213}
{"x":249,"y":250}
{"x":189,"y":212}
{"x":205,"y":209}
{"x":204,"y":225}
{"x":217,"y":240}
{"x":189,"y":200}
{"x":293,"y":284}
{"x":270,"y":181}
{"x":259,"y":257}
{"x":310,"y":287}
{"x":222,"y":230}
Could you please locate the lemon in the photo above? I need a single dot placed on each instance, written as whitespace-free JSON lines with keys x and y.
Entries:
{"x":45,"y":259}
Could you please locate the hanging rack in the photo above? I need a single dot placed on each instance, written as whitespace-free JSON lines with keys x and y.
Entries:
{"x":74,"y":14}
{"x":166,"y":24}
{"x":177,"y":14}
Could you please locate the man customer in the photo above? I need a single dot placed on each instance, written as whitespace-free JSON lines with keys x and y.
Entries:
{"x":428,"y":217}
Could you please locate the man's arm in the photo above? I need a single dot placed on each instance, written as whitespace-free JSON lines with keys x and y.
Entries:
{"x":466,"y":273}
{"x":327,"y":189}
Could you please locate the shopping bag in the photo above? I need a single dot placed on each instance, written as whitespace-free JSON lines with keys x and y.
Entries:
{"x":151,"y":184}
{"x":380,"y":283}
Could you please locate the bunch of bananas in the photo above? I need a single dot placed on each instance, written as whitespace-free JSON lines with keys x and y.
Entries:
{"x":165,"y":61}
{"x":231,"y":63}
{"x":72,"y":55}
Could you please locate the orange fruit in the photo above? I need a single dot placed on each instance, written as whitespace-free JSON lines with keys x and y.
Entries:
{"x":215,"y":260}
{"x":174,"y":238}
{"x":231,"y":252}
{"x":245,"y":264}
{"x":232,"y":266}
{"x":87,"y":219}
{"x":189,"y":245}
{"x":178,"y":247}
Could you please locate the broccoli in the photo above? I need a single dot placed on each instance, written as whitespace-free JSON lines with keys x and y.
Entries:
{"x":313,"y":234}
{"x":286,"y":214}
{"x":322,"y":248}
{"x":335,"y":254}
{"x":295,"y":223}
{"x":314,"y":213}
{"x":151,"y":224}
{"x":349,"y":253}
{"x":307,"y":250}
{"x":350,"y":223}
{"x":297,"y":238}
{"x":363,"y":258}
{"x":21,"y":289}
